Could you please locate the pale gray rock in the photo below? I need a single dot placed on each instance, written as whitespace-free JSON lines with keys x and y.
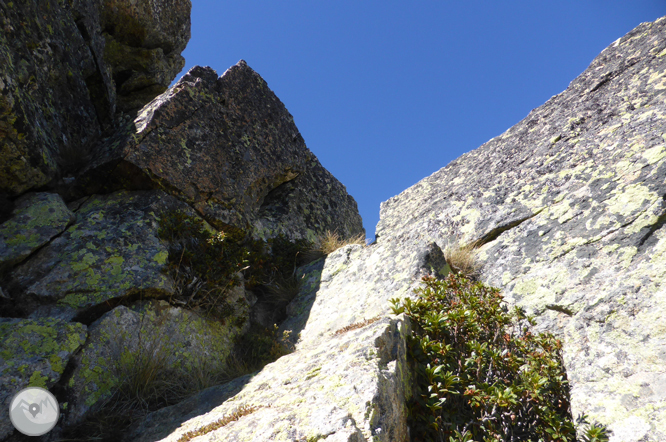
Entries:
{"x":569,"y":207}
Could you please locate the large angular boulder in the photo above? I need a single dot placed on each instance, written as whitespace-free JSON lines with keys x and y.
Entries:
{"x":63,"y":63}
{"x":229,"y":148}
{"x":568,"y":208}
{"x":112,"y":251}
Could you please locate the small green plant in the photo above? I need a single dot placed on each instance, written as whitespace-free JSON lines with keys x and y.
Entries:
{"x":482,"y":375}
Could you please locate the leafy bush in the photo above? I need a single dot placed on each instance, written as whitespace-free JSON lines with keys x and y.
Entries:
{"x":482,"y":375}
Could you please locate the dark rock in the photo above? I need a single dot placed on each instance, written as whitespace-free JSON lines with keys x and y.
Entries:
{"x":37,"y":218}
{"x":229,"y":148}
{"x":143,"y":45}
{"x":62,"y":64}
{"x":52,"y":70}
{"x":110,"y":252}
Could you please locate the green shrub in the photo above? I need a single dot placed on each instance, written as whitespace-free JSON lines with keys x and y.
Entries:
{"x":482,"y":375}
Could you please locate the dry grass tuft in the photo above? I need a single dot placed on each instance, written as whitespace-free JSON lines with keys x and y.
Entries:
{"x":329,"y":242}
{"x":463,"y":259}
{"x":235,"y":415}
{"x":357,"y":325}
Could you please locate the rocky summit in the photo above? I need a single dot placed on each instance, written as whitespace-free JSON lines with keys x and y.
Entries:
{"x":165,"y":260}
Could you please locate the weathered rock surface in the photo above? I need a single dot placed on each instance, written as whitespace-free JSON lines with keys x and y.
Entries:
{"x":112,"y":251}
{"x":62,"y":64}
{"x":143,"y":45}
{"x":51,"y":79}
{"x":229,"y":148}
{"x":37,"y":218}
{"x":339,"y":384}
{"x":178,"y":344}
{"x":569,"y":207}
{"x":33,"y":353}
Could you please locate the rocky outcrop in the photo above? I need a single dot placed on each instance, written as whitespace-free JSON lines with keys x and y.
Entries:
{"x":111,"y":252}
{"x":126,"y":341}
{"x":229,"y":148}
{"x":67,"y":67}
{"x":568,"y":208}
{"x":92,"y":302}
{"x":143,"y":42}
{"x":347,"y":380}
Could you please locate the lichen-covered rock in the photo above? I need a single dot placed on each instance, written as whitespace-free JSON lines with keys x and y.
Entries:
{"x":111,"y":251}
{"x":62,"y":63}
{"x":348,"y":378}
{"x":55,"y":94}
{"x":143,"y":45}
{"x":176,"y":343}
{"x":569,"y":208}
{"x":36,"y":219}
{"x":230,"y":148}
{"x":33,"y":353}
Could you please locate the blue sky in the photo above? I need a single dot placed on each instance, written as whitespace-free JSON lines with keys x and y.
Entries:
{"x":385,"y":93}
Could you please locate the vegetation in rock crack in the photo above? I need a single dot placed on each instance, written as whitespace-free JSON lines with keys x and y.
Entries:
{"x":356,"y":325}
{"x":463,"y":259}
{"x":482,"y":375}
{"x":239,"y":412}
{"x":331,"y":241}
{"x":206,"y":264}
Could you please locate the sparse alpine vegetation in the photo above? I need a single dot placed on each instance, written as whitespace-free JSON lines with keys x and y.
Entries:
{"x":331,"y":241}
{"x":482,"y":375}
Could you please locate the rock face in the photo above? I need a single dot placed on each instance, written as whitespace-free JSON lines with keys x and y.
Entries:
{"x":569,"y":208}
{"x":124,"y":341}
{"x":347,"y":380}
{"x":143,"y":42}
{"x":66,"y":67}
{"x":229,"y":148}
{"x":90,"y":306}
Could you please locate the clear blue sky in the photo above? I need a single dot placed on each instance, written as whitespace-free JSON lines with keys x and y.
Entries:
{"x":385,"y":93}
